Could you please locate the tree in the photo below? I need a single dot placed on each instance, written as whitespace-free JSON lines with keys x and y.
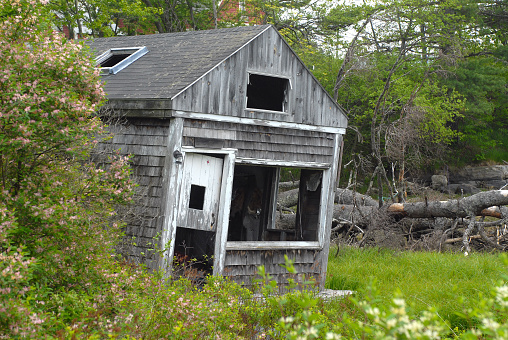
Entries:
{"x":57,"y":208}
{"x":391,"y":80}
{"x":181,"y":15}
{"x":102,"y":18}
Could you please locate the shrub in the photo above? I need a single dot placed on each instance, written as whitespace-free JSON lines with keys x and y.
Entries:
{"x":58,"y":227}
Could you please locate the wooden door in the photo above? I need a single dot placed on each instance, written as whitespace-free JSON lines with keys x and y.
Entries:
{"x":202,"y":177}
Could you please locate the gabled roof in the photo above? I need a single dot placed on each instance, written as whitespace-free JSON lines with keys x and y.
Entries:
{"x":174,"y":60}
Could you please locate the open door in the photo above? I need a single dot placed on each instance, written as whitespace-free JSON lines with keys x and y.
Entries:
{"x":198,"y":213}
{"x":202,"y":175}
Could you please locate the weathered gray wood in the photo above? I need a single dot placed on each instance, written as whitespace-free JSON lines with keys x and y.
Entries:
{"x":270,"y":245}
{"x":267,"y":54}
{"x":241,"y":266}
{"x":327,"y":213}
{"x":170,"y":186}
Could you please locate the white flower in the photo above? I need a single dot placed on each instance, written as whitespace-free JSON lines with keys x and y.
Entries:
{"x":490,"y":324}
{"x":502,"y":296}
{"x":391,"y":323}
{"x":332,"y":336}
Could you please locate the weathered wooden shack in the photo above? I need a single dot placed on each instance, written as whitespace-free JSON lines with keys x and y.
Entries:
{"x":211,"y":118}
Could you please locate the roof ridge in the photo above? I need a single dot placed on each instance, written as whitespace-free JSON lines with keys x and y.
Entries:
{"x":191,"y":32}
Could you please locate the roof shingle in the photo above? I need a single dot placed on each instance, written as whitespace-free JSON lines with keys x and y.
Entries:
{"x":174,"y":60}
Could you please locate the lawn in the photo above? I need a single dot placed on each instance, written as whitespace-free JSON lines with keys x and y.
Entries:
{"x":450,"y":282}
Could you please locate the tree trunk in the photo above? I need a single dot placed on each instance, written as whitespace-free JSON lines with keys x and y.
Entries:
{"x":474,"y":204}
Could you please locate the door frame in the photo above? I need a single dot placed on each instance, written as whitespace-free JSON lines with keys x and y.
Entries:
{"x":221,"y":233}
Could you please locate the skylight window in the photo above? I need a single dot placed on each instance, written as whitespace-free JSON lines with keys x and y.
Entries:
{"x":116,"y":59}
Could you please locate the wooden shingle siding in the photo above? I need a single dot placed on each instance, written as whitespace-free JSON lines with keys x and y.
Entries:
{"x":242,"y":266}
{"x":223,"y":90}
{"x":146,"y":140}
{"x":262,"y":141}
{"x":190,"y":90}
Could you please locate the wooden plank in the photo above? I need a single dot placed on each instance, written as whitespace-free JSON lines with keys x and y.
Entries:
{"x":278,"y":60}
{"x":271,"y":245}
{"x":256,"y":136}
{"x":223,"y":213}
{"x":214,"y":90}
{"x":148,"y":181}
{"x":137,"y":139}
{"x":329,"y":183}
{"x":170,"y":186}
{"x":208,"y":132}
{"x":147,"y":160}
{"x":250,"y":121}
{"x":288,"y":164}
{"x":283,"y":147}
{"x":210,"y":124}
{"x":225,"y":82}
{"x":150,"y":171}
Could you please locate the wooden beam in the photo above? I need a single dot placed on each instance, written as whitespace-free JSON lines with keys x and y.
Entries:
{"x":271,"y":245}
{"x":262,"y":122}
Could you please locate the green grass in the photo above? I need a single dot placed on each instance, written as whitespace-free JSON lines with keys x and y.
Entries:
{"x":499,"y":153}
{"x":447,"y":281}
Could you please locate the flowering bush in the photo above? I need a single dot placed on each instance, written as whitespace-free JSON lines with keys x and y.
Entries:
{"x":58,"y":230}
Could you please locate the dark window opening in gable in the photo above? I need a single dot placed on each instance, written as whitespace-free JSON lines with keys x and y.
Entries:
{"x":197,"y":197}
{"x":267,"y":93}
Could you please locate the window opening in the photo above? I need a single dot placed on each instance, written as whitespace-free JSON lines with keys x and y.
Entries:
{"x":250,"y":202}
{"x":113,"y":60}
{"x":267,"y":92}
{"x":197,"y":197}
{"x":296,"y":217}
{"x":116,"y":59}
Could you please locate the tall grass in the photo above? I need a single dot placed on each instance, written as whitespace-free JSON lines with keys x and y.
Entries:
{"x":449,"y":282}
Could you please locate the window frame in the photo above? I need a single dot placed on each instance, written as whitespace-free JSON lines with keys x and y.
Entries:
{"x":135,"y":54}
{"x":287,"y":98}
{"x":268,"y":245}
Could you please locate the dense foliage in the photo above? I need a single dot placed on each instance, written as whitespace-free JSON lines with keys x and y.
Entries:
{"x":420,"y":76}
{"x":58,"y":229}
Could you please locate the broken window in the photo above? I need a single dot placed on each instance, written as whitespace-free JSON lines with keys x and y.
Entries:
{"x":267,"y":92}
{"x":197,"y":197}
{"x":253,"y":216}
{"x":116,"y":59}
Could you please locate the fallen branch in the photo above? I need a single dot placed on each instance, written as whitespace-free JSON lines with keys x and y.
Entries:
{"x":459,"y":239}
{"x":472,"y":205}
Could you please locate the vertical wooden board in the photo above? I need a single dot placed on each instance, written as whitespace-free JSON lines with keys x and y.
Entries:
{"x":330,"y":118}
{"x":258,"y":52}
{"x":172,"y":173}
{"x":268,"y":52}
{"x":322,"y":112}
{"x":214,"y":90}
{"x":278,"y":51}
{"x":287,"y":60}
{"x":196,"y":93}
{"x":204,"y":94}
{"x":329,"y":184}
{"x":224,"y":87}
{"x":241,"y":84}
{"x":223,"y":214}
{"x":310,"y":112}
{"x":300,"y":96}
{"x":250,"y":55}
